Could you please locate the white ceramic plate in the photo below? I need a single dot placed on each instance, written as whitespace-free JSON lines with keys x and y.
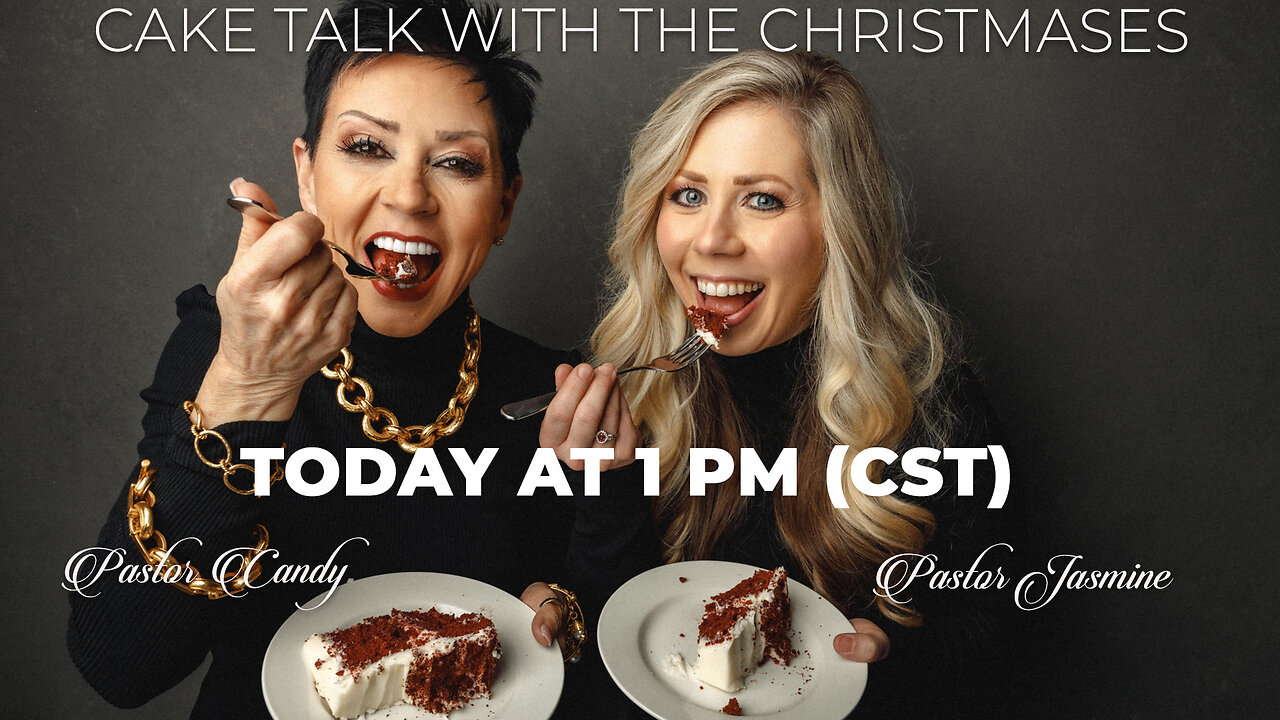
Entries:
{"x":641,"y":626}
{"x":529,"y":678}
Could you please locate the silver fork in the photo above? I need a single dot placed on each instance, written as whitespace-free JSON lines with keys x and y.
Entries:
{"x":680,"y":358}
{"x":256,"y":210}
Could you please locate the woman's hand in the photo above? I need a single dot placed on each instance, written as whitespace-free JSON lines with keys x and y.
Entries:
{"x":589,"y":400}
{"x":867,"y":643}
{"x":286,"y":310}
{"x":548,"y":617}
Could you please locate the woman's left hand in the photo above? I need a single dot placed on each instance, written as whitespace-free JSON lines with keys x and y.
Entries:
{"x":589,"y":411}
{"x":548,"y":617}
{"x":867,"y":643}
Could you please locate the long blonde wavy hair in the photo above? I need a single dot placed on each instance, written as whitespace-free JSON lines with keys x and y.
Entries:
{"x":877,"y":347}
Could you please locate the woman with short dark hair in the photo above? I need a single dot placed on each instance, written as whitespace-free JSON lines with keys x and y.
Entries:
{"x":408,"y":161}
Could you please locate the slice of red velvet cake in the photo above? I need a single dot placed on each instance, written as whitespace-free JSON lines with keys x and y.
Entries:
{"x":708,"y":325}
{"x":435,"y":660}
{"x":742,"y":627}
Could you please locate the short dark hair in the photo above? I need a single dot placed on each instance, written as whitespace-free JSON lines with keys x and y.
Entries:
{"x":509,"y":82}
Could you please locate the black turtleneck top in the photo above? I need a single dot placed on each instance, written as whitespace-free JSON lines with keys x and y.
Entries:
{"x":765,"y":386}
{"x":134,"y":641}
{"x":953,"y":660}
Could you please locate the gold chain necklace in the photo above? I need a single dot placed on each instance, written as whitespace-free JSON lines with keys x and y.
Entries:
{"x":380,"y":424}
{"x":140,"y":516}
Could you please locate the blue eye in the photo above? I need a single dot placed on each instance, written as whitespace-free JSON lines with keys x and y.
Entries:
{"x":687,"y":197}
{"x":764,"y":201}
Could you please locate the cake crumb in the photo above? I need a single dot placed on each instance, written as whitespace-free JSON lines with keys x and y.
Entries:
{"x":707,"y":325}
{"x":732,"y":707}
{"x":405,"y":269}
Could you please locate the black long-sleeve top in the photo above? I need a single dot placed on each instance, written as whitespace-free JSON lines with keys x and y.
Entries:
{"x":134,"y":641}
{"x":952,"y":665}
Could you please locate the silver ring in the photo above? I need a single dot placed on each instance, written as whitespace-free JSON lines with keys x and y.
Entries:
{"x":603,"y":437}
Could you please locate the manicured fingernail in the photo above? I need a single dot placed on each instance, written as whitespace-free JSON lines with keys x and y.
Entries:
{"x":844,"y":644}
{"x":544,"y":635}
{"x":584,"y":371}
{"x":233,"y":184}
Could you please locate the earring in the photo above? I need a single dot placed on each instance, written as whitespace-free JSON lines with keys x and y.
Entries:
{"x":498,"y":241}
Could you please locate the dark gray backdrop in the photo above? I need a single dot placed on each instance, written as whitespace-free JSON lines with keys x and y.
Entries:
{"x":1103,"y":223}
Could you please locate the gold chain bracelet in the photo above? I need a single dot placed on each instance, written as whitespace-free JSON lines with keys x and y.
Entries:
{"x":575,"y":636}
{"x":140,"y":514}
{"x":155,"y":548}
{"x":381,"y":425}
{"x":228,"y":468}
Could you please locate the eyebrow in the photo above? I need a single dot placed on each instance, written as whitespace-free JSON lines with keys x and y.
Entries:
{"x":447,"y":135}
{"x":739,"y":180}
{"x":744,"y":180}
{"x":393,"y":126}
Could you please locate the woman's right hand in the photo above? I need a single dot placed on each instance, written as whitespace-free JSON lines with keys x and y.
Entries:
{"x":589,"y":400}
{"x":867,"y":643}
{"x":286,"y":311}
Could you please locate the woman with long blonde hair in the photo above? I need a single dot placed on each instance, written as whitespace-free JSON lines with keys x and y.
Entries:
{"x":758,"y":191}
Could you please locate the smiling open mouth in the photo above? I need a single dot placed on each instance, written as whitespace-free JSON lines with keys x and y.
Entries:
{"x":410,"y":262}
{"x":727,"y":297}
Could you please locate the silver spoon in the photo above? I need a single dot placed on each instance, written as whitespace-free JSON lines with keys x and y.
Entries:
{"x":255,"y":209}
